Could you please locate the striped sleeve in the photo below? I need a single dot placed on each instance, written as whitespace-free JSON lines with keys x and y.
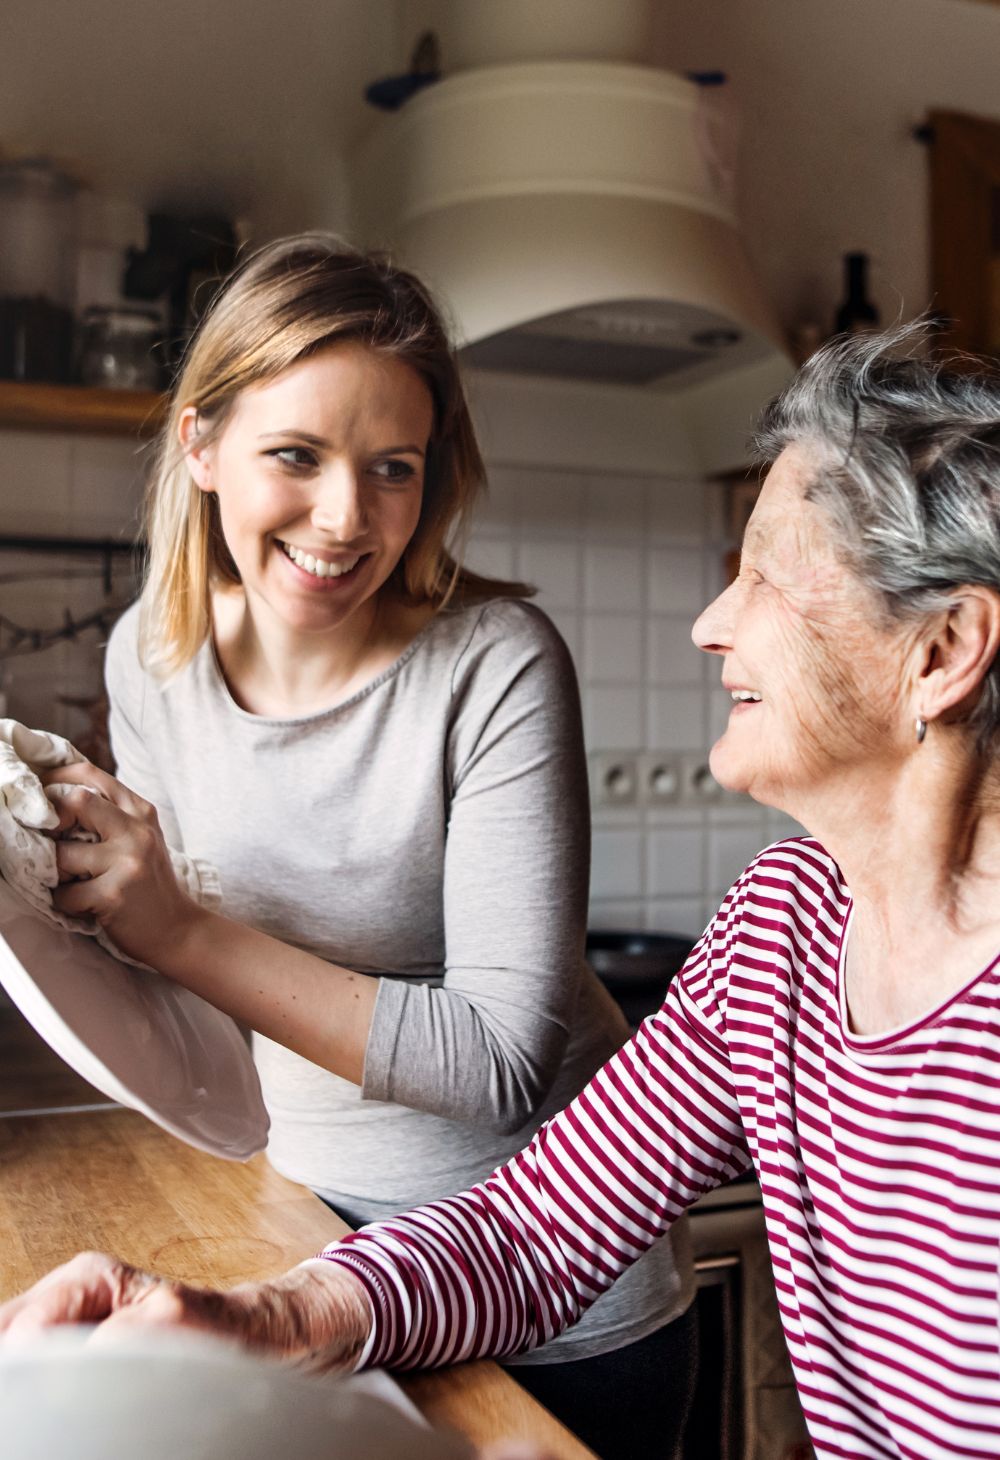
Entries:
{"x":508,"y":1264}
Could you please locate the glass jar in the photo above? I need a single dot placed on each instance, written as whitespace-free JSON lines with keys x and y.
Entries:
{"x":37,"y":266}
{"x":117,"y":348}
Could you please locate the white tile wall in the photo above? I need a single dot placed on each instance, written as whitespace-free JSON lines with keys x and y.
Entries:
{"x":623,"y":564}
{"x":61,"y":485}
{"x":612,"y":648}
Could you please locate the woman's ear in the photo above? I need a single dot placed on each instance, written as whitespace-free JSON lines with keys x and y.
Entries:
{"x":959,"y":654}
{"x":199,"y":457}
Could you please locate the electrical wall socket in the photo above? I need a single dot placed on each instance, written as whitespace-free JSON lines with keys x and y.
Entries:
{"x":698,"y":786}
{"x":660,"y":781}
{"x":628,"y":778}
{"x":614,"y":778}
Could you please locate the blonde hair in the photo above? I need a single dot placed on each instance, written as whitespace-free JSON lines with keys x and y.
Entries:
{"x":286,"y":302}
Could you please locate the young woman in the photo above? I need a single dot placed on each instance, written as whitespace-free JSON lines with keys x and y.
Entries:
{"x":381,"y":755}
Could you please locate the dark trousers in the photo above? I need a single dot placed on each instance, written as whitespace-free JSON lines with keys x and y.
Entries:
{"x":630,"y":1404}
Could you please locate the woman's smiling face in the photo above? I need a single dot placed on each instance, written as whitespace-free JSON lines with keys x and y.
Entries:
{"x":816,"y":677}
{"x":319,"y":475}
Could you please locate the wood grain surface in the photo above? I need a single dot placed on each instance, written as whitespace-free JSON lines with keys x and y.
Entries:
{"x":113,"y":1181}
{"x":31,"y":405}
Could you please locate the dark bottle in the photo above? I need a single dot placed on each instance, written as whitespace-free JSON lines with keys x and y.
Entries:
{"x":857,"y":313}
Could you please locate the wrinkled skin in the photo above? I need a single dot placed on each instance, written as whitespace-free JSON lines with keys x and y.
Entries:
{"x":313,"y":1318}
{"x":798,"y":627}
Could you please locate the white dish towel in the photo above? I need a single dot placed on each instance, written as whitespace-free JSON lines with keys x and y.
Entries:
{"x":28,"y":854}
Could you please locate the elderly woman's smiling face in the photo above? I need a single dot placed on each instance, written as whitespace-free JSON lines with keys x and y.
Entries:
{"x":817,"y":677}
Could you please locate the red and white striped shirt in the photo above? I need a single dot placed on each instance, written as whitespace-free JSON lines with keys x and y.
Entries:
{"x":878,"y":1160}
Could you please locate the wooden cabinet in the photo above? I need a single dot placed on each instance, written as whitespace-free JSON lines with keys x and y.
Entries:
{"x":965,"y":232}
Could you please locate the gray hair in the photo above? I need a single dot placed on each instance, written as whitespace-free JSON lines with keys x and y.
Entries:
{"x":908,"y":466}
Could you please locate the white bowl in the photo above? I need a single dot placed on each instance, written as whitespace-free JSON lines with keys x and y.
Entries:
{"x":139,"y":1038}
{"x":170,"y":1396}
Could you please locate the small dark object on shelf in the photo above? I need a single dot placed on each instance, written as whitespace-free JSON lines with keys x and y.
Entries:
{"x":186,"y":259}
{"x":391,"y":92}
{"x":857,"y":313}
{"x":36,"y":340}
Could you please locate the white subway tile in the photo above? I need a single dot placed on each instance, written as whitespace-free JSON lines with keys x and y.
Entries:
{"x":683,"y":915}
{"x":613,"y":578}
{"x":35,"y":472}
{"x":671,"y":656}
{"x":550,"y":502}
{"x":665,"y":816}
{"x":675,"y":858}
{"x":616,"y":864}
{"x":108,"y":481}
{"x":717,"y":514}
{"x":491,"y":556}
{"x":675,"y":719}
{"x":612,"y":718}
{"x":676,"y":581}
{"x":711,"y":907}
{"x":553,"y":566}
{"x":677,"y":511}
{"x":739,"y":811}
{"x":612,"y":648}
{"x":611,"y":916}
{"x":614,"y":509}
{"x":616,"y":818}
{"x":497,"y":508}
{"x":730,"y":849}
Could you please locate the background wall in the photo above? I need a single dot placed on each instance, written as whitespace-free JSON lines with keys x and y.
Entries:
{"x":827,"y":92}
{"x":604,"y":514}
{"x":250,"y":108}
{"x":239,"y":107}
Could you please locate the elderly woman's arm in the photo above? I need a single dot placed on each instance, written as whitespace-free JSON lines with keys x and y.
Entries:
{"x":319,"y":1316}
{"x":509,"y":1264}
{"x":504,"y":1266}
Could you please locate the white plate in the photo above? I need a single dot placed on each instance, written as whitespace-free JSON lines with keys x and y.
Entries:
{"x":168,"y":1395}
{"x":137,"y":1037}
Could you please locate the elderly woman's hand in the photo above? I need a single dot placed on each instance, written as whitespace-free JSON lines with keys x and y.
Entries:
{"x":312,"y":1315}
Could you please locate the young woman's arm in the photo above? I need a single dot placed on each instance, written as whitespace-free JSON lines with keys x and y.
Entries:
{"x":486,"y":1043}
{"x":127,"y":882}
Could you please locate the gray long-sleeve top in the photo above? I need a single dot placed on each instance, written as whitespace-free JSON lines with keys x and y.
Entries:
{"x":432,"y":829}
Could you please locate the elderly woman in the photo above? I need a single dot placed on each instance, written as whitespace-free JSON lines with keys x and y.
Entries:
{"x":837,"y":1026}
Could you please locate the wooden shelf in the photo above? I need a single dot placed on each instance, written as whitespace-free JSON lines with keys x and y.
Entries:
{"x":36,"y":407}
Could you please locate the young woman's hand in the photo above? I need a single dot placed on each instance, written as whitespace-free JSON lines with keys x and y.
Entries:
{"x":124,"y":878}
{"x":314,"y":1316}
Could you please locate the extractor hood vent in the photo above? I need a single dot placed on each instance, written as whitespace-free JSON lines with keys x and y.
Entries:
{"x":571,"y":213}
{"x":622,"y":342}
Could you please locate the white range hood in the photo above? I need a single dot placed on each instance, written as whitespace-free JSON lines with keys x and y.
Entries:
{"x":567,"y":211}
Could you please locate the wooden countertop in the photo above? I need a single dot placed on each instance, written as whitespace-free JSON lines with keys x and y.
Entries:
{"x":112,"y":1180}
